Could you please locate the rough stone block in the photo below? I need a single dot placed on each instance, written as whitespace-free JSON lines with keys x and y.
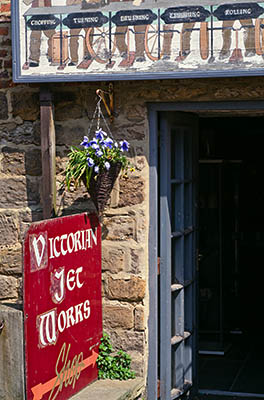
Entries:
{"x":13,"y":161}
{"x":26,"y":217}
{"x":136,"y":261}
{"x":4,"y":74}
{"x":128,"y":340}
{"x":139,"y":318}
{"x":141,"y":226}
{"x":129,"y":131}
{"x":74,"y":201}
{"x":140,"y":151}
{"x":5,"y":42}
{"x":36,"y":139}
{"x":136,"y":112}
{"x":61,"y":162}
{"x":4,"y":29}
{"x":113,"y":259}
{"x":67,"y":105}
{"x":118,"y":316}
{"x":137,"y":362}
{"x":3,"y":106}
{"x":114,"y":198}
{"x":33,"y":162}
{"x":132,"y":289}
{"x":140,"y":162}
{"x":11,"y":261}
{"x":131,"y":191}
{"x":118,"y":228}
{"x":8,"y":287}
{"x":26,"y":133}
{"x":70,"y":135}
{"x":18,"y":192}
{"x":20,"y":290}
{"x":18,"y":162}
{"x":30,"y":215}
{"x":25,"y":105}
{"x":8,"y":228}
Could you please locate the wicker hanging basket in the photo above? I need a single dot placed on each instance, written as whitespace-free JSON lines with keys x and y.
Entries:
{"x":101,"y":185}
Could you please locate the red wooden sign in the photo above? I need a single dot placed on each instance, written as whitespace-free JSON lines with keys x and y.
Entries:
{"x":62,"y":305}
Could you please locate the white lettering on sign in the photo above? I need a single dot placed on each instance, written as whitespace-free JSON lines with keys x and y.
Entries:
{"x":185,"y":14}
{"x":243,"y":11}
{"x":130,"y":18}
{"x":72,"y":242}
{"x":78,"y":245}
{"x":57,"y":287}
{"x":59,"y":294}
{"x":82,"y":20}
{"x":70,"y":281}
{"x":39,"y":253}
{"x":62,"y":321}
{"x":47,"y":328}
{"x":38,"y":246}
{"x":43,"y":22}
{"x":49,"y":325}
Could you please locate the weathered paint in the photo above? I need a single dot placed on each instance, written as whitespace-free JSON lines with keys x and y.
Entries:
{"x":136,"y":39}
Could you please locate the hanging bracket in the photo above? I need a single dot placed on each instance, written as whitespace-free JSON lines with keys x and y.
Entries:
{"x":109,"y":105}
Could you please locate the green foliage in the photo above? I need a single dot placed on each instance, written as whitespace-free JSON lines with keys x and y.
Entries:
{"x":77,"y":167}
{"x":95,"y":156}
{"x":113,"y":366}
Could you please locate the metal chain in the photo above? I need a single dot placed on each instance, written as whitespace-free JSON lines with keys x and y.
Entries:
{"x":103,"y":118}
{"x":93,"y":118}
{"x":100,"y":115}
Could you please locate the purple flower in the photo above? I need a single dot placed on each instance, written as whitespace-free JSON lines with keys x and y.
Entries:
{"x":94,"y":144}
{"x":102,"y":144}
{"x":109,"y":143}
{"x":107,"y":165}
{"x":100,"y":134}
{"x":124,"y":145}
{"x":85,"y":142}
{"x":90,"y":162}
{"x":96,"y":169}
{"x":99,"y":153}
{"x":116,"y":145}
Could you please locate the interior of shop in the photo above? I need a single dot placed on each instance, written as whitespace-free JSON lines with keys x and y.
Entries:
{"x":231,"y":256}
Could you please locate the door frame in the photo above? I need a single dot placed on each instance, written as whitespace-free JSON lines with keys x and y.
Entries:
{"x":153,"y":110}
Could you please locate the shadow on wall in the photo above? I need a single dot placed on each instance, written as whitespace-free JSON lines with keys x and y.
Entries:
{"x":69,"y":203}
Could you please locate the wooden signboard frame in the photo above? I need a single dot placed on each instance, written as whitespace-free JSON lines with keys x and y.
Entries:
{"x":102,"y":40}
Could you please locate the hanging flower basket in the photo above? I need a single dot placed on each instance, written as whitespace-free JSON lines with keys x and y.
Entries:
{"x":101,"y":185}
{"x":97,"y":164}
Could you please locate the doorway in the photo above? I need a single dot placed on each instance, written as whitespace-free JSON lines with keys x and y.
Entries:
{"x":218,"y":326}
{"x":231,"y":256}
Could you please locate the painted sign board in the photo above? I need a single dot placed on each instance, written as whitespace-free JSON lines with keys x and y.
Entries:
{"x":62,"y":305}
{"x":64,"y":40}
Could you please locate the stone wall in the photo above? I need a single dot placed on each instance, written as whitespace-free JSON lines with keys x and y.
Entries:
{"x":126,"y":220}
{"x":125,"y":224}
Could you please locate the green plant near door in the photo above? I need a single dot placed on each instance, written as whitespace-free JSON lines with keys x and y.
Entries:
{"x":113,"y":366}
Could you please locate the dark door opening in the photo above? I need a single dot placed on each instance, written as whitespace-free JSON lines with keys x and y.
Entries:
{"x":231,"y":256}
